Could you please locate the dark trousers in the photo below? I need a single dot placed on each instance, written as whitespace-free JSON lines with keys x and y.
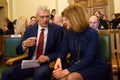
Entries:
{"x":16,"y":73}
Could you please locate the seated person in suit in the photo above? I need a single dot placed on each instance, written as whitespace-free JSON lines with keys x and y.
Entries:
{"x":94,"y":22}
{"x":82,"y":42}
{"x":42,"y":41}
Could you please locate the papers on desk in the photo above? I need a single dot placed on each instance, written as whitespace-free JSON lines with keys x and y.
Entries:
{"x":29,"y":64}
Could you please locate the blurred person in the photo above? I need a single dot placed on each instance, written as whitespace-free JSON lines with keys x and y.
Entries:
{"x":42,"y":41}
{"x":104,"y":17}
{"x":115,"y":22}
{"x":58,"y":20}
{"x":33,"y":20}
{"x":82,"y":42}
{"x":113,"y":16}
{"x":7,"y":22}
{"x":102,"y":23}
{"x":118,"y":26}
{"x":5,"y":28}
{"x":53,"y":12}
{"x":94,"y":22}
{"x":11,"y":31}
{"x":21,"y":25}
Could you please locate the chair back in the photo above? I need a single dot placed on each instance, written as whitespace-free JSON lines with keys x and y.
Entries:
{"x":105,"y":44}
{"x":117,"y":52}
{"x":10,"y":44}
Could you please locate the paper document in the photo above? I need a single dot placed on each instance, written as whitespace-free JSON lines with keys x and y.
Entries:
{"x":29,"y":64}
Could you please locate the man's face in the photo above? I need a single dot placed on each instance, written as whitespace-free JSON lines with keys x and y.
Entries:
{"x":93,"y":22}
{"x":33,"y":21}
{"x":66,"y":22}
{"x":43,"y":18}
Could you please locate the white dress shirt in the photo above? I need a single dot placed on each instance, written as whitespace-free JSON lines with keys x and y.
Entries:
{"x":45,"y":40}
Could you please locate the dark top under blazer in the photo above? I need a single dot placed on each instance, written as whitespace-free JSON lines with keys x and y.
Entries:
{"x":91,"y":61}
{"x":54,"y":38}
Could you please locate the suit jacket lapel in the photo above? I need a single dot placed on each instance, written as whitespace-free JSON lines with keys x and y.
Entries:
{"x":34,"y":32}
{"x":48,"y":37}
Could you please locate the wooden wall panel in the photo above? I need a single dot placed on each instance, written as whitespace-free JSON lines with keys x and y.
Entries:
{"x":96,"y":5}
{"x":102,"y":9}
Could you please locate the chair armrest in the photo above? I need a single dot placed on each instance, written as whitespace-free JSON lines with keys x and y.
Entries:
{"x":52,"y":63}
{"x":1,"y":53}
{"x":12,"y":60}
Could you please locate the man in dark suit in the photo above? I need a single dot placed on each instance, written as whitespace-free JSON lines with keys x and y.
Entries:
{"x":52,"y":38}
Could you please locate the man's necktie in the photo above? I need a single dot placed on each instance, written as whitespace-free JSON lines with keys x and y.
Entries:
{"x":40,"y":44}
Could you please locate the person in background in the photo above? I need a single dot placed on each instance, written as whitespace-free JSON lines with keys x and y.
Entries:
{"x":104,"y":17}
{"x":102,"y":23}
{"x":5,"y":28}
{"x":21,"y":25}
{"x":53,"y":12}
{"x":58,"y":20}
{"x":113,"y":16}
{"x":11,"y":31}
{"x":115,"y":22}
{"x":94,"y":22}
{"x":7,"y":22}
{"x":82,"y":42}
{"x":33,"y":21}
{"x":41,"y":41}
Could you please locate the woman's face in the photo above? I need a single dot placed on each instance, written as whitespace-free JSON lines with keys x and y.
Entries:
{"x":113,"y":16}
{"x":66,"y":22}
{"x":97,"y":14}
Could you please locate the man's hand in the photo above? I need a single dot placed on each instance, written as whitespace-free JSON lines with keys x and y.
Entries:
{"x":43,"y":59}
{"x":29,"y":42}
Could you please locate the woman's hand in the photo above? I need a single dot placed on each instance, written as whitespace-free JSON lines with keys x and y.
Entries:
{"x":58,"y":64}
{"x":60,"y":73}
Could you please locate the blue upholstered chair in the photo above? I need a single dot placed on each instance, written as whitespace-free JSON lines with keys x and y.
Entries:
{"x":9,"y":48}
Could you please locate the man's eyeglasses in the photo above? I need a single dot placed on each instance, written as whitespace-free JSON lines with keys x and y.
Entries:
{"x":44,"y":17}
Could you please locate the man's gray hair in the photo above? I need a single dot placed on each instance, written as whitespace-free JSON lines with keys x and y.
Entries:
{"x":42,"y":8}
